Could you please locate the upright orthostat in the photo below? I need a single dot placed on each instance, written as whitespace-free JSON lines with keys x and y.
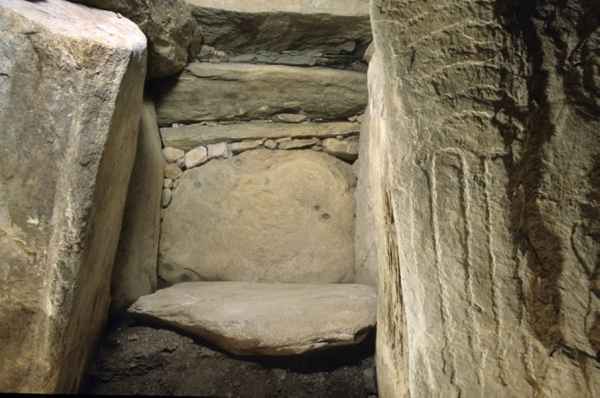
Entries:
{"x":71,"y":82}
{"x":484,"y":151}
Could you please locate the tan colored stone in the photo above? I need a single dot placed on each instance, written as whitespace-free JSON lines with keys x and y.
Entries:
{"x":265,"y":216}
{"x":484,"y":143}
{"x":239,"y":147}
{"x":172,"y":171}
{"x":290,"y":118}
{"x":71,"y":84}
{"x":136,"y":262}
{"x":188,"y":137}
{"x":220,"y":150}
{"x":343,"y":149}
{"x":172,"y":155}
{"x":196,"y":157}
{"x":289,"y":143}
{"x":265,"y":318}
{"x":333,"y":7}
{"x":206,"y":91}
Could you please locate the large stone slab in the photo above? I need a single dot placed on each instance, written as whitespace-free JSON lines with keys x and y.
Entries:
{"x":71,"y":82}
{"x":291,"y":32}
{"x":265,"y":318}
{"x":136,"y":264}
{"x":193,"y":135}
{"x":267,"y":216}
{"x":484,"y":144}
{"x":172,"y":32}
{"x":244,"y":92}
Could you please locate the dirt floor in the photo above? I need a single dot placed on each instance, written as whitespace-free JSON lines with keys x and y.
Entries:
{"x":138,"y":359}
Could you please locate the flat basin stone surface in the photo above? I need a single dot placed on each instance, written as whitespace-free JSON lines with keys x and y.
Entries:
{"x":264,"y":318}
{"x":263,"y":216}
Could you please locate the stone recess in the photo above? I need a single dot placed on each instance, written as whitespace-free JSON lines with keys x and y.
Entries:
{"x":71,"y":83}
{"x":484,"y":141}
{"x":135,"y":270}
{"x":173,"y":34}
{"x":265,"y":318}
{"x":289,"y":32}
{"x":193,"y":135}
{"x":266,"y":216}
{"x":245,"y":92}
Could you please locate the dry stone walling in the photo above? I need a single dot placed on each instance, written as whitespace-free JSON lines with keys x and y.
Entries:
{"x":259,"y":188}
{"x":484,"y":180}
{"x":71,"y":83}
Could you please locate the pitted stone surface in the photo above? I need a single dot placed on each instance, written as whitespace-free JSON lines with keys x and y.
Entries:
{"x":268,"y":216}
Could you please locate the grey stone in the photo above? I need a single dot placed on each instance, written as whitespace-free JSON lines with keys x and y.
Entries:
{"x":172,"y":155}
{"x":287,"y":32}
{"x":71,"y":85}
{"x":166,"y":197}
{"x":135,"y":269}
{"x":220,"y":150}
{"x":239,"y":147}
{"x":289,"y":143}
{"x":265,"y":318}
{"x":171,"y":30}
{"x":290,"y":118}
{"x":167,"y":183}
{"x":206,"y":91}
{"x":266,"y":216}
{"x":484,"y":144}
{"x":193,"y":135}
{"x":369,"y":211}
{"x":270,"y":144}
{"x":196,"y":157}
{"x":343,"y":149}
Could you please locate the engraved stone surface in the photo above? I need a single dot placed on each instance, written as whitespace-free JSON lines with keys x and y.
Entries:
{"x":483,"y":151}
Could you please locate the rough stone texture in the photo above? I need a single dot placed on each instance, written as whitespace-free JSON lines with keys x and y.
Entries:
{"x":220,"y":150}
{"x":333,"y":32}
{"x":484,"y":126}
{"x":343,"y":149}
{"x":196,"y":157}
{"x":71,"y":82}
{"x":188,"y":137}
{"x":172,"y":155}
{"x":172,"y":171}
{"x":239,"y":147}
{"x":369,"y":224}
{"x":290,"y":118}
{"x":139,"y":360}
{"x":207,"y":91}
{"x":289,"y":143}
{"x":173,"y":34}
{"x":135,"y":269}
{"x":272,"y":319}
{"x":267,"y":216}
